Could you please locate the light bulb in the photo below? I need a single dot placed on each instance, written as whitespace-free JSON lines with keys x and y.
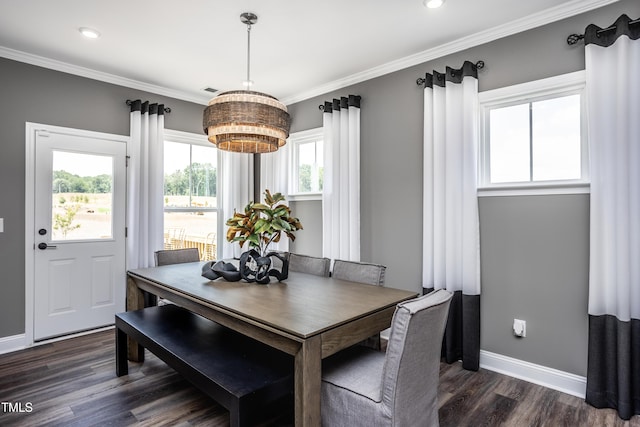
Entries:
{"x":432,"y":4}
{"x":89,"y":33}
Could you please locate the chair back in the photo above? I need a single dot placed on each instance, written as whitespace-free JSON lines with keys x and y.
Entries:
{"x":412,"y":366}
{"x":309,"y":264}
{"x":361,"y":272}
{"x":176,"y":256}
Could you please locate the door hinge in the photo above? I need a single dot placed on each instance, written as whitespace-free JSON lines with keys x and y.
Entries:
{"x":126,"y":162}
{"x":126,"y":232}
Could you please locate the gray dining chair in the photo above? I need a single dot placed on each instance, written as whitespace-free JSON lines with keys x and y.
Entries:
{"x":362,"y":387}
{"x":309,"y":264}
{"x":361,"y":272}
{"x":176,"y":256}
{"x":167,"y":257}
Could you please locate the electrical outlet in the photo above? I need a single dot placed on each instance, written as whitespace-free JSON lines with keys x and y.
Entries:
{"x":519,"y":328}
{"x":1,"y":225}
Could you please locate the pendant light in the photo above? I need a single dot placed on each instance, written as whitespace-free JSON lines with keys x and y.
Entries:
{"x":246,"y":121}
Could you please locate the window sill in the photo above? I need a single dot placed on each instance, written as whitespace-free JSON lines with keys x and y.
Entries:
{"x":305,"y":197}
{"x":533,"y":190}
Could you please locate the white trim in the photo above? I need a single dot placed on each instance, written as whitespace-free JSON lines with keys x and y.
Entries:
{"x":535,"y":89}
{"x":12,"y":343}
{"x":294,"y":140}
{"x":303,"y":197}
{"x":564,"y":382}
{"x":186,"y":137}
{"x":307,"y":135}
{"x":29,"y":227}
{"x":19,"y":342}
{"x":551,"y":87}
{"x":534,"y":190}
{"x":77,"y":70}
{"x":548,"y":16}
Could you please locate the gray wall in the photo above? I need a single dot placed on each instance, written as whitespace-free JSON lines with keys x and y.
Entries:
{"x":534,"y":249}
{"x":34,"y":94}
{"x":309,"y":239}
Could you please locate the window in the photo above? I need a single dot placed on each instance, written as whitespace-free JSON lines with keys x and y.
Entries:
{"x":533,"y":135}
{"x":307,"y":164}
{"x":191,"y":207}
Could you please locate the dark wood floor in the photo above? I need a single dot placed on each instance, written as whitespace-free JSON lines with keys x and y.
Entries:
{"x":73,"y":383}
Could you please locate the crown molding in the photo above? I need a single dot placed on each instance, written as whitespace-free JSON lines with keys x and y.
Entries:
{"x":548,"y":16}
{"x":65,"y":67}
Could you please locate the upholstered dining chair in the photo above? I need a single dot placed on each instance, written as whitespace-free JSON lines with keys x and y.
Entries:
{"x":171,"y":256}
{"x":362,"y":387}
{"x":361,"y":272}
{"x":309,"y":264}
{"x":176,"y":256}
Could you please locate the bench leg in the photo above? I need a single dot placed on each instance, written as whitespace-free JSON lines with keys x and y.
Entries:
{"x":135,"y":301}
{"x":122,"y":365}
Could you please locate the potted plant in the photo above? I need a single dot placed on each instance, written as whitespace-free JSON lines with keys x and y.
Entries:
{"x":261,"y":224}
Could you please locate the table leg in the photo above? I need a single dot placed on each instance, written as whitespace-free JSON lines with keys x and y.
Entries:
{"x":135,"y":301}
{"x":308,"y":366}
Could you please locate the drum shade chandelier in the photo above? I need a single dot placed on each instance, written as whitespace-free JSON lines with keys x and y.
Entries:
{"x":246,"y":121}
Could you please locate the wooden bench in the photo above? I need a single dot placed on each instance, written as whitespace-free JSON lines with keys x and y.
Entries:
{"x":241,"y":374}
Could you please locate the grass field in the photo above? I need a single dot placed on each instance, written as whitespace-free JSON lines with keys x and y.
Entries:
{"x":93,"y":216}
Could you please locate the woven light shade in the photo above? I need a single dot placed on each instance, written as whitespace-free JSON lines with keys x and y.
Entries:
{"x":245,"y":121}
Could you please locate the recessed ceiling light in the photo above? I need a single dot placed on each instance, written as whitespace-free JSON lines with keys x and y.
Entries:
{"x":89,"y":33}
{"x":432,"y":4}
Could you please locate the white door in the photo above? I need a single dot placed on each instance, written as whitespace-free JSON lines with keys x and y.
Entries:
{"x":79,"y":232}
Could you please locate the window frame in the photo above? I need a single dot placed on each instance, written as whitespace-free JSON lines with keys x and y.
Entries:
{"x":295,"y":140}
{"x":198,"y":139}
{"x":539,"y":90}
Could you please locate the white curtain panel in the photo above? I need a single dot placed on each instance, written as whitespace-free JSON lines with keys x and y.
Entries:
{"x":274,"y":176}
{"x":451,"y":244}
{"x":341,"y":185}
{"x":237,"y":176}
{"x":614,"y":138}
{"x":145,"y":184}
{"x":613,"y":94}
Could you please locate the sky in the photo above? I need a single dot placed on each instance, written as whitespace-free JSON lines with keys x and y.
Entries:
{"x":82,"y":164}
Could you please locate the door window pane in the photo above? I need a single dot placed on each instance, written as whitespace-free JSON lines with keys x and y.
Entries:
{"x":81,"y":196}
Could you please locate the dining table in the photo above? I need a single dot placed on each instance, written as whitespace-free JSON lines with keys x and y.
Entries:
{"x":309,"y":317}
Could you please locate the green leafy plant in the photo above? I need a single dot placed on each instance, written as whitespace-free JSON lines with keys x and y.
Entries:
{"x":263,"y":223}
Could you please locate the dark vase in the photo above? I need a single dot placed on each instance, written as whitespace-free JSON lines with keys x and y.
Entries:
{"x":260,"y":269}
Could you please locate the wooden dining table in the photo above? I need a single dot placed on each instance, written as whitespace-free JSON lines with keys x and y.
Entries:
{"x":309,"y":317}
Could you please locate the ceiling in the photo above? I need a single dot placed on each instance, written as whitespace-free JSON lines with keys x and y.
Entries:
{"x":299,"y":49}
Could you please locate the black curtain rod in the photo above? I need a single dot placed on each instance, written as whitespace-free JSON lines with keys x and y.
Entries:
{"x":479,"y":65}
{"x":166,"y":109}
{"x":575,"y":38}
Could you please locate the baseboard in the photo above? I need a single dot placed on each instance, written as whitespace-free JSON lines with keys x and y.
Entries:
{"x":13,"y":343}
{"x":536,"y":374}
{"x":19,"y":342}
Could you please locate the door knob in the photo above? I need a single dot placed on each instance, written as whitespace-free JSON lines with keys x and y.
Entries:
{"x":44,"y":246}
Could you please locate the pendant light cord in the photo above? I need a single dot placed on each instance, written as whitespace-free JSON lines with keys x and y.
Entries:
{"x":248,"y":55}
